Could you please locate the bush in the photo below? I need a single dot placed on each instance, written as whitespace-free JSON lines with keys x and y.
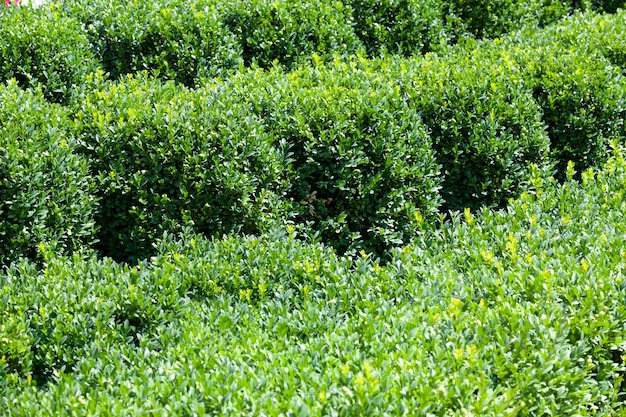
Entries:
{"x":399,"y":26}
{"x":485,"y":126}
{"x":583,"y":104}
{"x":46,"y":192}
{"x":493,"y":18}
{"x":363,"y":168}
{"x":42,"y":48}
{"x":552,"y":260}
{"x":580,"y":93}
{"x":516,"y":311}
{"x":284,"y":31}
{"x":166,"y":156}
{"x":174,"y":39}
{"x":589,"y":33}
{"x":74,"y":309}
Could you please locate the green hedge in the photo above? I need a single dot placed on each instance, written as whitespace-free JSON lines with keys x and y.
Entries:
{"x":363,"y":167}
{"x":166,"y":156}
{"x":518,"y":311}
{"x":581,"y":94}
{"x":284,"y":31}
{"x":43,"y":48}
{"x":493,"y":18}
{"x":407,"y":27}
{"x":485,"y":126}
{"x":173,"y":39}
{"x":590,"y":33}
{"x":550,"y":270}
{"x":583,"y":103}
{"x":46,"y":192}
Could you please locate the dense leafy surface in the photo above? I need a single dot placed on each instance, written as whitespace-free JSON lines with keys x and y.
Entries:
{"x":242,"y":208}
{"x":513,"y":311}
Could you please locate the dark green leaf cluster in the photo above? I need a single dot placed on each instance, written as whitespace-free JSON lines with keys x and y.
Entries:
{"x":173,"y":39}
{"x":271,"y":31}
{"x":189,"y":40}
{"x":362,"y":165}
{"x":167,"y":157}
{"x":47,"y":195}
{"x":46,"y":49}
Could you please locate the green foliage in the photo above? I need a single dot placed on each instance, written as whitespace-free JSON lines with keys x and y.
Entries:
{"x":363,"y":168}
{"x":580,"y":93}
{"x":486,"y":128}
{"x":590,"y":33}
{"x":46,"y":192}
{"x":550,"y":270}
{"x":42,"y":48}
{"x":583,"y":104}
{"x":166,"y":156}
{"x":493,"y":18}
{"x":283,"y":31}
{"x":399,"y":26}
{"x":609,"y":6}
{"x":77,"y":307}
{"x":497,"y":313}
{"x":234,"y":199}
{"x":173,"y":39}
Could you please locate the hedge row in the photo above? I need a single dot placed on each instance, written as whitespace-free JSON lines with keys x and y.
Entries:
{"x":167,"y":157}
{"x":44,"y":48}
{"x":47,"y":194}
{"x":518,"y":311}
{"x":354,"y":152}
{"x":355,"y":168}
{"x":54,"y":46}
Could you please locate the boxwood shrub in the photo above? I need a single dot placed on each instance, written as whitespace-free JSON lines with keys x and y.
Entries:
{"x":46,"y":191}
{"x":173,"y":39}
{"x":486,"y":128}
{"x":363,"y":167}
{"x":399,"y":26}
{"x":166,"y":156}
{"x":591,"y":33}
{"x":581,"y":94}
{"x":517,"y":311}
{"x":283,"y":30}
{"x":44,"y":48}
{"x":583,"y":103}
{"x":493,"y":18}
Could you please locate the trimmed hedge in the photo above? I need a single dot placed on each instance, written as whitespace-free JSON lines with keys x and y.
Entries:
{"x":583,"y":103}
{"x":173,"y":39}
{"x":167,"y":157}
{"x":485,"y":126}
{"x":493,"y":18}
{"x":581,"y":95}
{"x":591,"y":33}
{"x":43,"y":48}
{"x":406,"y":27}
{"x":363,"y":167}
{"x":284,"y":31}
{"x":518,"y":311}
{"x":46,"y":192}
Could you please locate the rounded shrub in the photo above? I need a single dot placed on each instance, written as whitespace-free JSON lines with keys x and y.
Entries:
{"x":284,"y":30}
{"x":493,"y":18}
{"x":363,"y":168}
{"x":166,"y":156}
{"x":485,"y":126}
{"x":46,"y":191}
{"x":591,"y":33}
{"x":41,"y":47}
{"x":583,"y":104}
{"x":399,"y":26}
{"x":174,"y":39}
